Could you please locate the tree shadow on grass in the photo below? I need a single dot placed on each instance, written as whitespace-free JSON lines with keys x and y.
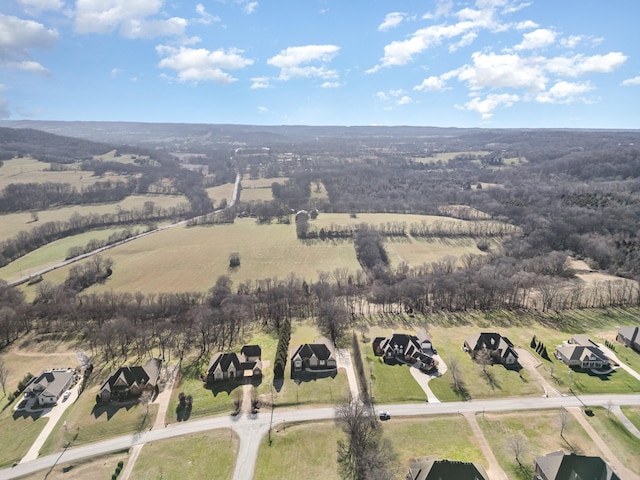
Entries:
{"x":110,"y":409}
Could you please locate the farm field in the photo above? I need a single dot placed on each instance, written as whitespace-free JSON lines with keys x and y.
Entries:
{"x":444,"y":157}
{"x":221,"y":192}
{"x":15,"y":222}
{"x":256,"y":194}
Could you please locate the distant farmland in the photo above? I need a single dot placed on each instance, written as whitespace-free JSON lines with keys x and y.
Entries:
{"x":191,"y":259}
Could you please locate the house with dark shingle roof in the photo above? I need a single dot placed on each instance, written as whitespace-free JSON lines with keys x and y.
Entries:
{"x":581,"y":352}
{"x":313,"y":357}
{"x":630,"y":337}
{"x":229,"y":366}
{"x":500,"y":348}
{"x":128,"y":382}
{"x":47,"y":387}
{"x":560,"y":466}
{"x":432,"y":469}
{"x":403,"y":348}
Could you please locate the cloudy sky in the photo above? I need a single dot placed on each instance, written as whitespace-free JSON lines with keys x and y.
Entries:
{"x":475,"y":63}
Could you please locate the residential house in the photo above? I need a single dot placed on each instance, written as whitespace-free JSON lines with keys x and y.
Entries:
{"x":49,"y":386}
{"x":581,"y":352}
{"x":630,"y":337}
{"x":128,"y":382}
{"x":560,"y":466}
{"x":403,"y":348}
{"x":500,"y":348}
{"x":432,"y":469}
{"x":313,"y":357}
{"x":229,"y":366}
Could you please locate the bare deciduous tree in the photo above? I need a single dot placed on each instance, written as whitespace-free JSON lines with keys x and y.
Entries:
{"x":4,"y":373}
{"x":563,"y":416}
{"x":518,"y":445}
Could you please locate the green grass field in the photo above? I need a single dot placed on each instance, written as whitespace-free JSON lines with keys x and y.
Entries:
{"x":310,"y":450}
{"x":255,"y":194}
{"x":633,"y":414}
{"x":96,"y":468}
{"x":541,"y":431}
{"x":625,"y":445}
{"x":17,"y":434}
{"x":54,"y":253}
{"x":203,"y":455}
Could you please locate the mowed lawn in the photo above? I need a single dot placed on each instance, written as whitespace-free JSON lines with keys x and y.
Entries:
{"x":540,"y":433}
{"x":202,"y":455}
{"x":625,"y":445}
{"x":95,"y":468}
{"x":13,"y":223}
{"x":308,"y":450}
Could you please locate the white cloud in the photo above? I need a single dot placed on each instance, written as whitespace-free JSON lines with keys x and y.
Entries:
{"x":581,"y":64}
{"x":470,"y":20}
{"x":17,"y":36}
{"x":564,"y":92}
{"x":250,"y":7}
{"x":42,"y":5}
{"x":527,"y":24}
{"x":331,"y":85}
{"x":293,"y":61}
{"x":631,"y":81}
{"x":431,"y":84}
{"x":466,"y":40}
{"x":29,"y":66}
{"x":391,"y":20}
{"x":492,"y":70}
{"x":382,"y":96}
{"x":174,"y":26}
{"x":205,"y":17}
{"x":486,"y":106}
{"x":540,"y":38}
{"x":571,"y":41}
{"x":260,"y":82}
{"x":195,"y":65}
{"x":130,"y":17}
{"x":115,"y":72}
{"x":405,"y":100}
{"x":262,"y":109}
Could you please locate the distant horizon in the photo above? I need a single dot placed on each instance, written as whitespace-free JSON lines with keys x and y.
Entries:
{"x":451,"y":127}
{"x":469,"y":63}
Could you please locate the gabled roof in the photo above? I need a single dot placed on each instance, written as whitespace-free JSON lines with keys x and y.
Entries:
{"x":127,"y":377}
{"x":432,"y":469}
{"x":224,"y":361}
{"x":630,"y":333}
{"x":558,"y":466}
{"x":49,"y":383}
{"x":401,"y":340}
{"x":251,"y":351}
{"x":491,"y":341}
{"x":583,"y":340}
{"x":575,"y":352}
{"x":308,"y":350}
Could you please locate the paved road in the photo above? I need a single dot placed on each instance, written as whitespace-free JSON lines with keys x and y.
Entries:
{"x":257,"y":424}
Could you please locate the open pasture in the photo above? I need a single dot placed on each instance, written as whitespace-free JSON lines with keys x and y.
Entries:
{"x":221,"y":192}
{"x":53,"y":253}
{"x":30,"y":170}
{"x":256,"y":194}
{"x":129,"y":158}
{"x":444,"y":157}
{"x":191,"y":259}
{"x":13,"y":223}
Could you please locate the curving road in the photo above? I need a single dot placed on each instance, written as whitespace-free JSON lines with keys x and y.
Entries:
{"x":251,"y":429}
{"x":64,"y":263}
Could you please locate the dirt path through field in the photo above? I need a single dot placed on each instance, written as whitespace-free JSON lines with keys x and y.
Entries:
{"x":616,"y":464}
{"x":494,"y":470}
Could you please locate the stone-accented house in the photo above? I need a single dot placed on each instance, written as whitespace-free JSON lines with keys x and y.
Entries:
{"x":500,"y":348}
{"x":432,"y":469}
{"x":229,"y":366}
{"x":560,"y":466}
{"x":128,"y":382}
{"x":49,"y":386}
{"x":630,"y":337}
{"x":313,"y":357}
{"x":581,"y":352}
{"x":401,"y":347}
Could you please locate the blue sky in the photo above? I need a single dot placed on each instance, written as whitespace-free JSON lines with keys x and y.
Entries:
{"x":477,"y":63}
